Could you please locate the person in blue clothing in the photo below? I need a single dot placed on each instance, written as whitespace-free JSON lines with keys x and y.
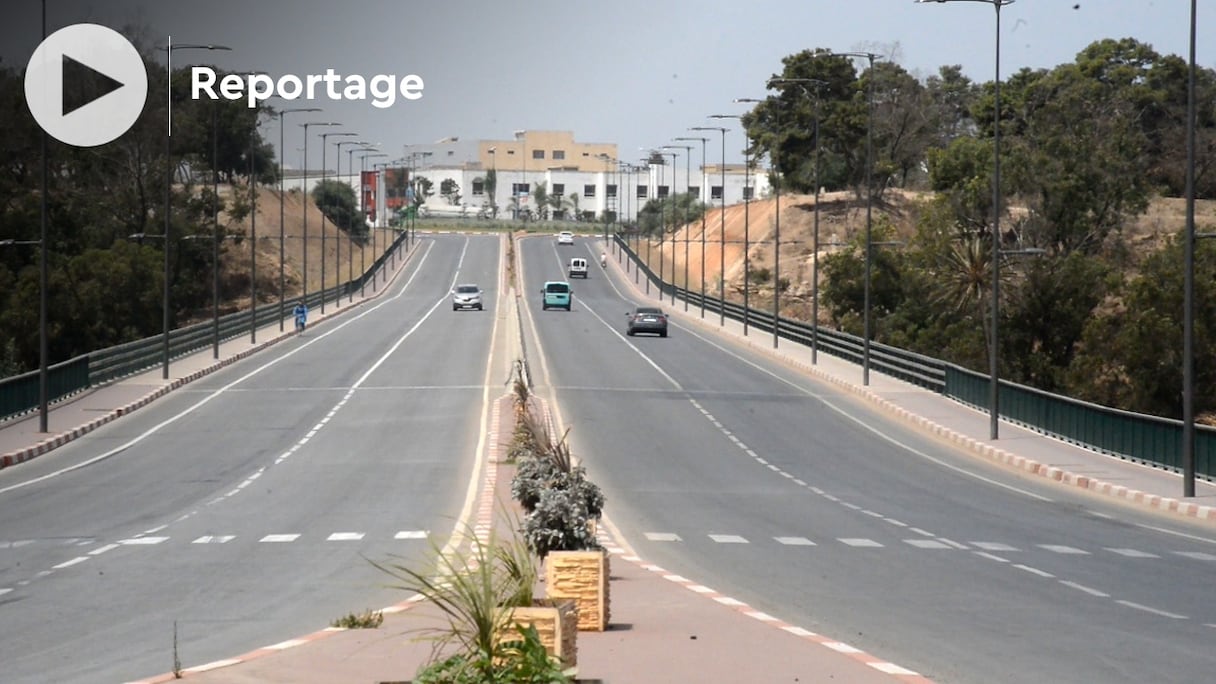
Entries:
{"x":301,"y":314}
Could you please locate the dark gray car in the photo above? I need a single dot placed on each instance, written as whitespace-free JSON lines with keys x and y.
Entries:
{"x":647,"y":319}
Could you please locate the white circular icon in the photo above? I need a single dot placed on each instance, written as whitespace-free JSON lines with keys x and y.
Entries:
{"x":86,"y":85}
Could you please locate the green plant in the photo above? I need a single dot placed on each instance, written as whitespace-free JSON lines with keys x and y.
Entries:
{"x":472,"y":592}
{"x":560,"y":520}
{"x":368,"y":619}
{"x":527,"y":661}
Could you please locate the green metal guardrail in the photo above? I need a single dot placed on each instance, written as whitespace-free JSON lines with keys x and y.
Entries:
{"x":1133,"y":436}
{"x":19,"y":394}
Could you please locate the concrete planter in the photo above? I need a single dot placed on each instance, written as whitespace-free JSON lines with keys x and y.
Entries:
{"x":583,"y":577}
{"x":556,"y":622}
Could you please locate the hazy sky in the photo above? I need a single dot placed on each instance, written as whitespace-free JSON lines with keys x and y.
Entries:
{"x":631,"y":72}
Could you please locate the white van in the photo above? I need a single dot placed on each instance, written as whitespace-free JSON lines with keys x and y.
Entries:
{"x":578,"y":267}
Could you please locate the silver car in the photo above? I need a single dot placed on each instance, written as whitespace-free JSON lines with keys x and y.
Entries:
{"x":466,"y":296}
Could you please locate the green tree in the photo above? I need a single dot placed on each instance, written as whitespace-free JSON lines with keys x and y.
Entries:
{"x":336,"y":200}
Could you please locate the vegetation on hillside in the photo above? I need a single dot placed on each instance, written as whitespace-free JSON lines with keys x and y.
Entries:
{"x":1084,"y":147}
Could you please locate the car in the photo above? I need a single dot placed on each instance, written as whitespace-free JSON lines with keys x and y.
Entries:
{"x":647,"y":319}
{"x":557,"y":294}
{"x":467,"y":296}
{"x":565,"y":238}
{"x":578,"y":267}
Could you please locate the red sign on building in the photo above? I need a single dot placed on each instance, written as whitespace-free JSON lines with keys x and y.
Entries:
{"x":396,"y":186}
{"x":370,"y":189}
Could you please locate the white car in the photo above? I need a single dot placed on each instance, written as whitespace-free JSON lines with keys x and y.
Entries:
{"x":565,"y":238}
{"x":466,"y":297}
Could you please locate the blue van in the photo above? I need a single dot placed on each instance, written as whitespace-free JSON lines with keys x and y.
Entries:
{"x":556,"y":293}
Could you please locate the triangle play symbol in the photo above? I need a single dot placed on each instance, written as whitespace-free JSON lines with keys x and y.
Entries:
{"x":83,"y":84}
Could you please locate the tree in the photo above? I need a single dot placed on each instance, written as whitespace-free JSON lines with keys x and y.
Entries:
{"x":450,"y":190}
{"x":336,"y":200}
{"x":540,"y":195}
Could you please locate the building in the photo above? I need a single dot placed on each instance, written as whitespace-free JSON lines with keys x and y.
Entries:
{"x":589,"y":178}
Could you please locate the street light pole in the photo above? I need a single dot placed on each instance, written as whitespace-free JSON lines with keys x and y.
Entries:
{"x":350,"y":256}
{"x":683,"y":216}
{"x":704,"y":180}
{"x":168,"y":191}
{"x":802,"y":83}
{"x":1188,"y":317}
{"x":282,"y":213}
{"x":994,"y":394}
{"x":870,"y":57}
{"x":304,"y":194}
{"x":324,"y":170}
{"x":671,"y":194}
{"x":722,"y":229}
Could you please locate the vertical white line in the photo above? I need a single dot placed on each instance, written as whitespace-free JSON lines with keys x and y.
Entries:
{"x":169,"y":82}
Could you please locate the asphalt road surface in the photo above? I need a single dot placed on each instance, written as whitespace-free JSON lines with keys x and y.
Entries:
{"x":785,"y":493}
{"x":244,"y":508}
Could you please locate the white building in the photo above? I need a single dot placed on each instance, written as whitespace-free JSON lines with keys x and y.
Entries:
{"x":589,"y":177}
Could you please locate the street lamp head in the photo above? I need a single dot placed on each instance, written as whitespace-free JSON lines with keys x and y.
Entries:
{"x":194,"y":46}
{"x":319,"y":123}
{"x":281,"y":112}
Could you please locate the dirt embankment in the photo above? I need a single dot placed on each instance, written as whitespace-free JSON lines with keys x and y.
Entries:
{"x":235,"y":258}
{"x":842,"y":216}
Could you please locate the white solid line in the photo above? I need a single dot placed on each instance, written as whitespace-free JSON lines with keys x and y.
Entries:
{"x":1133,"y":553}
{"x":142,"y":541}
{"x":290,"y":643}
{"x":893,"y":669}
{"x":6,"y":590}
{"x":841,"y":647}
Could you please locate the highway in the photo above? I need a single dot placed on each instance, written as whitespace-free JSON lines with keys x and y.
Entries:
{"x":245,"y":507}
{"x":726,"y":468}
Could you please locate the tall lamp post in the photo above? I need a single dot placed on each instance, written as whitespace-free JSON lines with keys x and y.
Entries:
{"x":282,"y":213}
{"x":324,"y":170}
{"x":802,"y":83}
{"x":870,"y":57}
{"x":704,"y":194}
{"x":671,"y":194}
{"x":747,"y":245}
{"x":994,"y":394}
{"x":363,"y":221}
{"x":722,"y":234}
{"x":1188,"y":333}
{"x":168,"y":194}
{"x":687,"y":182}
{"x":363,"y":210}
{"x":350,"y":256}
{"x":304,"y":194}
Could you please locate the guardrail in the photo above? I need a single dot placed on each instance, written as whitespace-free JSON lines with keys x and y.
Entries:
{"x":19,"y":394}
{"x":1136,"y":437}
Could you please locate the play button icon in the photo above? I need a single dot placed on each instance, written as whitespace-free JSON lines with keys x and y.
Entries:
{"x":86,"y":85}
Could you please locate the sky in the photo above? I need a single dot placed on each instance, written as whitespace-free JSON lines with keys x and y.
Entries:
{"x":631,"y":72}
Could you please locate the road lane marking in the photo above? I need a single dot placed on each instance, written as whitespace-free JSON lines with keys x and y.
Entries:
{"x":860,"y":543}
{"x":1087,"y":590}
{"x":1150,"y":609}
{"x":663,"y":536}
{"x":728,"y":539}
{"x":345,"y":536}
{"x":411,"y":534}
{"x":1133,"y":553}
{"x":1034,"y":571}
{"x":279,"y":538}
{"x":214,"y":539}
{"x":70,"y":563}
{"x":142,"y":541}
{"x":1064,"y":550}
{"x":794,"y":541}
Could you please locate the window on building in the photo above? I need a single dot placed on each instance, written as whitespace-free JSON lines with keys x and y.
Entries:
{"x":559,"y":154}
{"x":479,"y":186}
{"x":559,"y":189}
{"x":642,"y":192}
{"x":748,"y":192}
{"x":510,"y":151}
{"x":610,"y":191}
{"x":589,"y":191}
{"x":538,"y":154}
{"x":694,"y":190}
{"x":520,"y":189}
{"x":715,"y":192}
{"x":662,"y":192}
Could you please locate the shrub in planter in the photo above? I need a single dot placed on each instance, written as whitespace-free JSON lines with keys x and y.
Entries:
{"x":560,"y":520}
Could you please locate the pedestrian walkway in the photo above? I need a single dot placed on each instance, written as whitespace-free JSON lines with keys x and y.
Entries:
{"x":1016,"y":447}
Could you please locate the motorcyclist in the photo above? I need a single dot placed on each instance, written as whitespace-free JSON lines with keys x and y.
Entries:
{"x":603,"y":260}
